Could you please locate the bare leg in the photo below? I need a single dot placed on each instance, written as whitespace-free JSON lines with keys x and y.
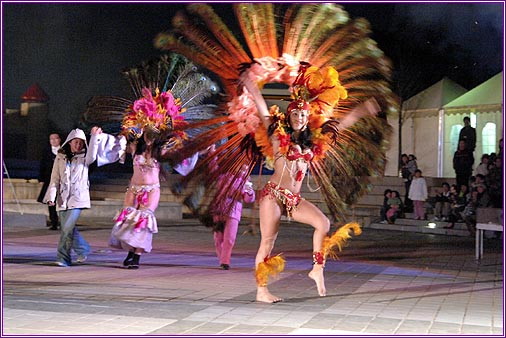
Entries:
{"x":308,"y":213}
{"x":270,"y":214}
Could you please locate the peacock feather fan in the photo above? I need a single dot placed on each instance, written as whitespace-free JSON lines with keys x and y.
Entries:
{"x":191,"y":88}
{"x":274,"y":40}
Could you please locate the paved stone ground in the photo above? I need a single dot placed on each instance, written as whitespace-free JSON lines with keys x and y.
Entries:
{"x":385,"y":283}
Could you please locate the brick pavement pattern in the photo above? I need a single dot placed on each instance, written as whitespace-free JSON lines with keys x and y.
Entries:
{"x":385,"y":283}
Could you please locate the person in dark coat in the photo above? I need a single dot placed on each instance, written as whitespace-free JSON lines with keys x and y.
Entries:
{"x":46,"y":166}
{"x":463,"y":161}
{"x":468,"y":134}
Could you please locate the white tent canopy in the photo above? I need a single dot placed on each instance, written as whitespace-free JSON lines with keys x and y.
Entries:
{"x":484,"y":105}
{"x":489,"y":94}
{"x":420,"y":128}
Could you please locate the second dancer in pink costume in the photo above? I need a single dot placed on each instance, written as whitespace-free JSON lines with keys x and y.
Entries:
{"x":147,"y":126}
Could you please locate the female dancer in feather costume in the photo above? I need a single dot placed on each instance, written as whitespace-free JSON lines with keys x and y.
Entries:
{"x":293,"y":147}
{"x":150,"y":131}
{"x":329,"y":61}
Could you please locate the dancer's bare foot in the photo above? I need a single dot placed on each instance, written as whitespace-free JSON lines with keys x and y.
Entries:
{"x":317,"y":275}
{"x":263,"y":295}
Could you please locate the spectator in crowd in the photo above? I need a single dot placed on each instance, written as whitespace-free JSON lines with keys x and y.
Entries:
{"x":458,"y":201}
{"x":394,"y":207}
{"x":494,"y":182}
{"x":407,"y":175}
{"x":463,"y":161}
{"x":468,"y":134}
{"x":443,"y":203}
{"x":479,"y":199}
{"x":46,"y":167}
{"x":478,"y":179}
{"x":500,"y":151}
{"x":482,"y":168}
{"x":418,"y":194}
{"x":387,"y":194}
{"x":412,"y":164}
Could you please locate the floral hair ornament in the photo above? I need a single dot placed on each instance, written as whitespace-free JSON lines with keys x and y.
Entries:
{"x":298,"y":104}
{"x":321,"y":88}
{"x":156,"y":114}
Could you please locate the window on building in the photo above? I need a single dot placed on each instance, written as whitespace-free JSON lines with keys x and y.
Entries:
{"x":488,"y":136}
{"x":454,"y":137}
{"x":472,"y":117}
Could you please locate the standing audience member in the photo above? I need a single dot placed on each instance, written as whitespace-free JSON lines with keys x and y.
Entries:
{"x":46,"y":167}
{"x":412,"y":164}
{"x":418,"y":194}
{"x":468,"y":134}
{"x":407,"y":175}
{"x":500,"y":151}
{"x":463,"y":161}
{"x":70,"y":188}
{"x":226,"y":225}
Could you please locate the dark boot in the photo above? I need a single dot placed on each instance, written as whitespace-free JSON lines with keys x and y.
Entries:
{"x":128,"y":258}
{"x":134,"y":264}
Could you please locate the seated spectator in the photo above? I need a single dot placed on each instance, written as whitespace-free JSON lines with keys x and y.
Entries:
{"x":458,"y":201}
{"x":383,"y":211}
{"x":482,"y":168}
{"x":478,"y":180}
{"x":479,"y":199}
{"x":463,"y":192}
{"x":471,"y":183}
{"x":442,"y":203}
{"x":494,"y":181}
{"x":491,"y":160}
{"x":395,"y":207}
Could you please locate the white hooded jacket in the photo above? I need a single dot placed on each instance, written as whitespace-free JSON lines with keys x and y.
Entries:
{"x":69,"y":186}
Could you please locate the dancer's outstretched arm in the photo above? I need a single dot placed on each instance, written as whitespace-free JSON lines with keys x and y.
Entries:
{"x":369,"y":107}
{"x":263,"y":111}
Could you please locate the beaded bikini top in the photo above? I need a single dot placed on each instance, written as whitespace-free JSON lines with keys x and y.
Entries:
{"x":294,"y":153}
{"x":145,"y":164}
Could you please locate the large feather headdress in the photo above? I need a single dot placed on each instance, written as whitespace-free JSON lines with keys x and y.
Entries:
{"x":317,"y":50}
{"x":167,"y":93}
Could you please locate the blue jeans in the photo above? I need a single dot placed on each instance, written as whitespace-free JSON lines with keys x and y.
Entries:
{"x":70,"y":237}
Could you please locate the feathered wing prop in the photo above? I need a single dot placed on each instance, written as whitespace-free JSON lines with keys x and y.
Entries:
{"x":278,"y":39}
{"x":167,"y":92}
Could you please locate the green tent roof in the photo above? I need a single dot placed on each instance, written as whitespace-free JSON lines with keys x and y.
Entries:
{"x":435,"y":96}
{"x":489,"y":93}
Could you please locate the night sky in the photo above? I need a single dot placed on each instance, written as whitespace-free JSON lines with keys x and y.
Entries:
{"x":75,"y":51}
